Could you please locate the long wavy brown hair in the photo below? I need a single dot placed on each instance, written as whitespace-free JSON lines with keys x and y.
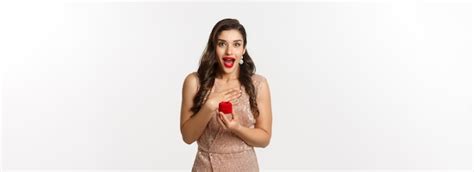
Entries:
{"x":209,"y":67}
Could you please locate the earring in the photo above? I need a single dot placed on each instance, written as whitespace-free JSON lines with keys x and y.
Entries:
{"x":241,"y":61}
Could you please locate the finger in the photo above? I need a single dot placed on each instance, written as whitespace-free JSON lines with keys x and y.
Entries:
{"x":236,"y":95}
{"x":229,"y":91}
{"x":228,"y":98}
{"x":233,"y":114}
{"x":221,"y":121}
{"x":232,"y":96}
{"x":229,"y":117}
{"x":225,"y":120}
{"x":226,"y":95}
{"x":233,"y":91}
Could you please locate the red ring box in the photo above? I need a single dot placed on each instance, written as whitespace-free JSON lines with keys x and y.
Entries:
{"x":225,"y":107}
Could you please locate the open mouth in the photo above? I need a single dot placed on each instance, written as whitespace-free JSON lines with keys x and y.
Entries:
{"x":228,"y":61}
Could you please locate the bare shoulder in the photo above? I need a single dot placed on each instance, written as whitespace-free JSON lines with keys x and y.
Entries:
{"x":191,"y":81}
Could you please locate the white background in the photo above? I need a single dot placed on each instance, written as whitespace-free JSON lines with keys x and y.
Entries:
{"x":355,"y":85}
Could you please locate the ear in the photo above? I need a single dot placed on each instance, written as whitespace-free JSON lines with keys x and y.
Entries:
{"x":245,"y":49}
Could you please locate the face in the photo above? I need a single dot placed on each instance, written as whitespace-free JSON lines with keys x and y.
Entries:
{"x":229,"y":50}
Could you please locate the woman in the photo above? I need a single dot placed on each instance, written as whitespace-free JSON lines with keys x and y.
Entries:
{"x":226,"y":74}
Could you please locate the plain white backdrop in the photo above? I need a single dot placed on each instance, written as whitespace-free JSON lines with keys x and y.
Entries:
{"x":355,"y":85}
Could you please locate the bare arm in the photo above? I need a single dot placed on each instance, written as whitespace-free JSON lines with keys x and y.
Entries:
{"x":192,"y":127}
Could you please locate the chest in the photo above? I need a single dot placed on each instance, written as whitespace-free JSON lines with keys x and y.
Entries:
{"x":220,"y":85}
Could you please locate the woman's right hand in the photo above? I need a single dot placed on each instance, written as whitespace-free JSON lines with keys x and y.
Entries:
{"x":215,"y":98}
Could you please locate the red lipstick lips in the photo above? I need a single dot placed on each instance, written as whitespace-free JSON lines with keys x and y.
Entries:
{"x":228,"y":61}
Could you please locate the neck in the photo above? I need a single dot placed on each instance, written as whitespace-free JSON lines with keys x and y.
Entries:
{"x":229,"y":76}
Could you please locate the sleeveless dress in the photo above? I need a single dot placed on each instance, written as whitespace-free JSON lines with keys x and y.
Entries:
{"x":221,"y":150}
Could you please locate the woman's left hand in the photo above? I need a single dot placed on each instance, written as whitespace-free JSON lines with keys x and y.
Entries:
{"x":230,"y":121}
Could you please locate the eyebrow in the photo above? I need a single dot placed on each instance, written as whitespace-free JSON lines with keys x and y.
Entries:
{"x":238,"y":40}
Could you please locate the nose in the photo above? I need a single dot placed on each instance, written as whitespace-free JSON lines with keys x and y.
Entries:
{"x":228,"y":51}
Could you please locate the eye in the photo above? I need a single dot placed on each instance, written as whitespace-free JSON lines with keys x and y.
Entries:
{"x":221,"y":44}
{"x":236,"y":44}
